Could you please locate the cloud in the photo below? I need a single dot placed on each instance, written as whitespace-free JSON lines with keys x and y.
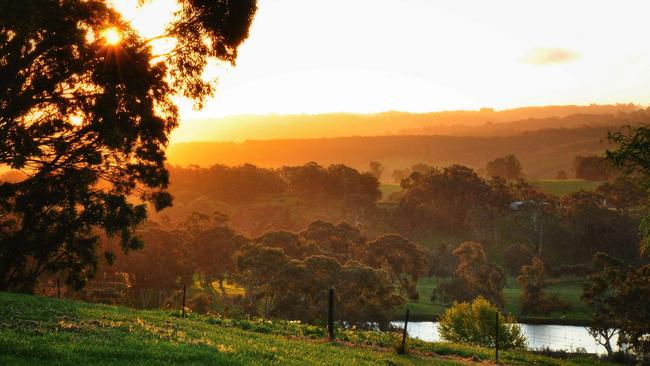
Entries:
{"x":549,"y":56}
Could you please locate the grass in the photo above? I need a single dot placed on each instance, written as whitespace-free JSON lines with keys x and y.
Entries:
{"x":568,"y":289}
{"x":387,"y":189}
{"x":44,"y":331}
{"x":563,"y":187}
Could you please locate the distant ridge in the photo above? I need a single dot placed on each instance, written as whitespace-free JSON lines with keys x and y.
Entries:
{"x":542,"y":153}
{"x":485,"y":121}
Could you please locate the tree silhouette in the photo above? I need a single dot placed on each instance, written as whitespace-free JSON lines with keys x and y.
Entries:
{"x":87,"y":121}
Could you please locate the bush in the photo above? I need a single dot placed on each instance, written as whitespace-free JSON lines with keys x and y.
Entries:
{"x":201,"y":303}
{"x":473,"y":323}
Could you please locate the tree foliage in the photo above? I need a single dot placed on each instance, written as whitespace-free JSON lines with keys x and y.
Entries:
{"x":474,"y":277}
{"x":594,"y":168}
{"x":475,"y":323}
{"x":88,"y":123}
{"x":507,"y":167}
{"x":619,"y":296}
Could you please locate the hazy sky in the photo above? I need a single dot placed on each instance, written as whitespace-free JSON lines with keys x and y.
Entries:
{"x":310,"y":56}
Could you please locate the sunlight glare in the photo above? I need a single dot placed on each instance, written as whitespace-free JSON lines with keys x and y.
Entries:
{"x":111,"y":36}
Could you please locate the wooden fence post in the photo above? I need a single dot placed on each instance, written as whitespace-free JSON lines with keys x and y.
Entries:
{"x":406,"y":324}
{"x":183,"y":310}
{"x":496,"y":343}
{"x":330,"y":315}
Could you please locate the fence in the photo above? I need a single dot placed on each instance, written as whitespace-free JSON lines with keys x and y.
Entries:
{"x":539,"y":337}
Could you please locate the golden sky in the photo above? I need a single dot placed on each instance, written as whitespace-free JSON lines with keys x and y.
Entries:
{"x":313,"y":56}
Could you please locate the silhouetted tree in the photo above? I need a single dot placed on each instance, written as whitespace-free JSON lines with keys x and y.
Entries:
{"x":619,"y":297}
{"x":404,"y":261}
{"x":507,"y":168}
{"x":376,"y":169}
{"x":474,"y":277}
{"x":88,"y":122}
{"x":593,"y":168}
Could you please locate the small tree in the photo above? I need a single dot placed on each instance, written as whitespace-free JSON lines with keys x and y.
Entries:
{"x":619,"y":297}
{"x":474,"y":323}
{"x":474,"y":277}
{"x":507,"y":167}
{"x":376,"y":169}
{"x":532,"y":281}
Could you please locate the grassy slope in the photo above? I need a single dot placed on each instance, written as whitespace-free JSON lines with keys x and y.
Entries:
{"x":42,"y":331}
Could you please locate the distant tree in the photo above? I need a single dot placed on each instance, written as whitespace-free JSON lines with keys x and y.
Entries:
{"x":215,"y":252}
{"x":632,"y":158}
{"x":532,"y":281}
{"x":338,"y":181}
{"x":259,"y":269}
{"x":341,"y":241}
{"x":160,"y":269}
{"x":619,"y":297}
{"x":473,"y":277}
{"x":515,"y":257}
{"x":400,"y":174}
{"x":594,"y":228}
{"x":442,"y":261}
{"x":625,"y":192}
{"x":562,"y":175}
{"x":422,"y":168}
{"x":442,"y":197}
{"x":474,"y":323}
{"x":291,"y":244}
{"x":404,"y":261}
{"x":507,"y":168}
{"x":88,"y":122}
{"x":594,"y":168}
{"x":376,"y":169}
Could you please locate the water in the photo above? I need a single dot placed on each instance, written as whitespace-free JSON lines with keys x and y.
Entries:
{"x":554,"y":337}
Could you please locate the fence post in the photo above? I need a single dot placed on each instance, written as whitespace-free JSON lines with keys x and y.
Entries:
{"x":496,"y":343}
{"x":406,"y":324}
{"x":330,"y":315}
{"x":183,"y":311}
{"x":58,"y":288}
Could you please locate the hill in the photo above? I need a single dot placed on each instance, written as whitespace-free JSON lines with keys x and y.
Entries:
{"x":44,"y":331}
{"x":542,"y":153}
{"x":485,"y":121}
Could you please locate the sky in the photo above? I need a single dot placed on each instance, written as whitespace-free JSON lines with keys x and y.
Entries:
{"x":364,"y":56}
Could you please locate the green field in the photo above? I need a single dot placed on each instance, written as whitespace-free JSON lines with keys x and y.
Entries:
{"x":44,"y":331}
{"x":568,"y":289}
{"x":387,"y":189}
{"x":563,"y":187}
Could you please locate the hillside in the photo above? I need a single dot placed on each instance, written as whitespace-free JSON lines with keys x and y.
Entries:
{"x":542,"y":153}
{"x":44,"y":331}
{"x":485,"y":122}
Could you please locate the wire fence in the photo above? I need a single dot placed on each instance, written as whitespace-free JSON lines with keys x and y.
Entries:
{"x":554,"y":338}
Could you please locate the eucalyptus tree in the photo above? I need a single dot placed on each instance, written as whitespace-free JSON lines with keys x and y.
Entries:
{"x":86,"y":108}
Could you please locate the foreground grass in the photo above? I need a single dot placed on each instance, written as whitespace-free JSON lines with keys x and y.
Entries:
{"x":568,"y":289}
{"x":42,"y":331}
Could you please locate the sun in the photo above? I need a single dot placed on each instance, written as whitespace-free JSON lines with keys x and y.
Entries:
{"x":111,"y":36}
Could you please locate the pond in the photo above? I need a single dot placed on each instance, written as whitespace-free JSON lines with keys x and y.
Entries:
{"x":554,"y":337}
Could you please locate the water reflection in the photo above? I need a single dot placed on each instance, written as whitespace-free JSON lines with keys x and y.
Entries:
{"x":554,"y":337}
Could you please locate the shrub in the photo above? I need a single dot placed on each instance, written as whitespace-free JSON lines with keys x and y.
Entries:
{"x":473,"y":323}
{"x":201,"y":303}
